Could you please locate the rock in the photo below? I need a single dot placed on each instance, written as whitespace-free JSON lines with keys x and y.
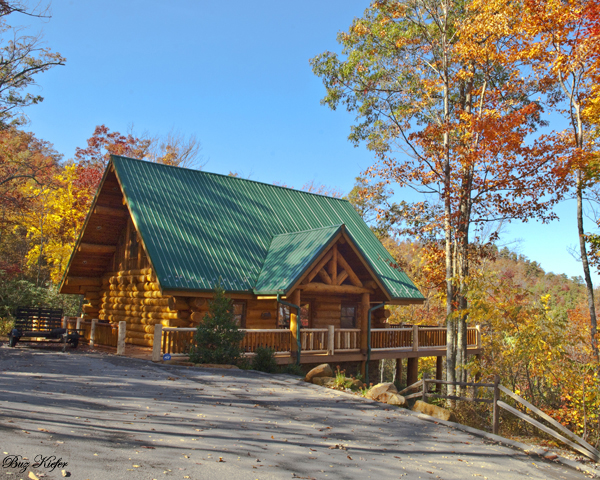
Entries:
{"x":433,"y":411}
{"x":395,"y":399}
{"x":321,"y":380}
{"x":323,"y":370}
{"x":329,"y":382}
{"x":356,"y":383}
{"x":376,"y":391}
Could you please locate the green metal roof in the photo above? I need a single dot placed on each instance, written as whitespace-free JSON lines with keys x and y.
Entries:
{"x":200,"y":227}
{"x":289,"y":255}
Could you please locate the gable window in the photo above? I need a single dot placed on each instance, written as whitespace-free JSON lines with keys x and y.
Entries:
{"x":283,"y":315}
{"x":348,"y":317}
{"x":239,"y":313}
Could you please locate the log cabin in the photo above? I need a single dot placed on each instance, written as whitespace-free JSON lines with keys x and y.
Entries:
{"x":159,"y":238}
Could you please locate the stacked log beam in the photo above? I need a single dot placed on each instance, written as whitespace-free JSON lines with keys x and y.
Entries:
{"x":134,"y":296}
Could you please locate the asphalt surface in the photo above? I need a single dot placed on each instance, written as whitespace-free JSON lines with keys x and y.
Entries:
{"x":112,"y":417}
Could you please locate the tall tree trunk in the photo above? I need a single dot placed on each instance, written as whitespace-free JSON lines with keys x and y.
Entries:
{"x":586,"y":265}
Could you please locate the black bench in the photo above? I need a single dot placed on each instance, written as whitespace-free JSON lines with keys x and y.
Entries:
{"x":39,"y":322}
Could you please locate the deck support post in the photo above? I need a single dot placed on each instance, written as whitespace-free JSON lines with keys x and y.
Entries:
{"x":121,"y":338}
{"x":93,"y":331}
{"x":398,"y":371}
{"x":439,"y":371}
{"x":412,"y":371}
{"x":157,"y":342}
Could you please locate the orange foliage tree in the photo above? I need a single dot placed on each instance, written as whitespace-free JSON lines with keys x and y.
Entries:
{"x":450,"y":124}
{"x":554,"y":43}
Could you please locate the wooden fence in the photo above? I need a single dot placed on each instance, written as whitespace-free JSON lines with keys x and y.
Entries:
{"x":573,"y":440}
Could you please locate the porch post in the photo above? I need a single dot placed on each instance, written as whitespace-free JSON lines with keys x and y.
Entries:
{"x":399,"y":371}
{"x":364,"y":333}
{"x":412,"y":371}
{"x":294,"y":320}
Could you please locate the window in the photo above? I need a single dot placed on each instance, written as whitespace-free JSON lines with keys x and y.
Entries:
{"x":348,"y":317}
{"x":239,"y":313}
{"x":283,"y":315}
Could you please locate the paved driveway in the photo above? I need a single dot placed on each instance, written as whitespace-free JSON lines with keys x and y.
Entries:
{"x":110,"y":417}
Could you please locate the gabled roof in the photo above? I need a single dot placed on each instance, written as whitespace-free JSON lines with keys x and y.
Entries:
{"x":199,"y":227}
{"x":289,"y":255}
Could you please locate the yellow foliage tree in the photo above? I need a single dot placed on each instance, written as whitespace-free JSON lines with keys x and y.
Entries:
{"x":55,"y":222}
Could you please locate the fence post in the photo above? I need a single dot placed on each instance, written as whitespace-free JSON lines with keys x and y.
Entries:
{"x":415,"y":338}
{"x":478,"y":341}
{"x":121,"y":338}
{"x":330,"y":339}
{"x":157,"y":342}
{"x":496,"y":408}
{"x":93,"y":331}
{"x":78,"y":323}
{"x":65,"y":322}
{"x":424,"y":389}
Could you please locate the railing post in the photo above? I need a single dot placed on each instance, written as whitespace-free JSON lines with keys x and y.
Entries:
{"x":78,"y":323}
{"x":93,"y":331}
{"x":415,"y":338}
{"x":121,"y":338}
{"x":496,"y":408}
{"x":157,"y":342}
{"x":65,"y":322}
{"x":330,"y":339}
{"x":478,"y":336}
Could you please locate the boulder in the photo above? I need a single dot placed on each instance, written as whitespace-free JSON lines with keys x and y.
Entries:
{"x":322,"y":380}
{"x":433,"y":411}
{"x":378,"y":390}
{"x":356,"y":383}
{"x":323,"y":370}
{"x":395,"y":399}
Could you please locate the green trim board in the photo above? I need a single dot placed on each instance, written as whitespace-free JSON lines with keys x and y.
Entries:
{"x":200,"y":228}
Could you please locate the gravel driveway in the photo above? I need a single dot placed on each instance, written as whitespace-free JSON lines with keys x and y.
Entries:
{"x":112,"y":417}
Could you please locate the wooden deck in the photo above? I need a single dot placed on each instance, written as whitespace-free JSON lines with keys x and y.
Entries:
{"x":319,"y":345}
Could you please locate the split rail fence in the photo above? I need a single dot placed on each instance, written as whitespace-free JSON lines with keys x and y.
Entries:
{"x":573,"y":440}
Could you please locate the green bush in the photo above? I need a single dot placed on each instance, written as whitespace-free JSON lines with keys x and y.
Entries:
{"x":264,"y":360}
{"x":217,"y":338}
{"x":23,"y":293}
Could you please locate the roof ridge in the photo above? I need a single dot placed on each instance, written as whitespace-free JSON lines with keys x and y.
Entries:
{"x":231,"y":177}
{"x":309,"y":230}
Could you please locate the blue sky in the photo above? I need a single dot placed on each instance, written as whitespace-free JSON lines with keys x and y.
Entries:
{"x":237,"y":75}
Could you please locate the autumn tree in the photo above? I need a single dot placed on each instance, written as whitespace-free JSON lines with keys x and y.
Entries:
{"x":557,"y":44}
{"x":448,"y":123}
{"x":22,"y":58}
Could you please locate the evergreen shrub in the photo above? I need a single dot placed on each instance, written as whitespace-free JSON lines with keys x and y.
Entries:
{"x":264,"y":360}
{"x":217,"y":338}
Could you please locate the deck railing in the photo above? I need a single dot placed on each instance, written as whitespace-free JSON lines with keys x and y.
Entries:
{"x":278,"y":339}
{"x":318,"y":341}
{"x":105,"y":333}
{"x":314,"y":340}
{"x":391,"y":338}
{"x":347,"y":340}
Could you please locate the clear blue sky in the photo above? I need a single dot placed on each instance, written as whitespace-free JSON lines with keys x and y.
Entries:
{"x":237,"y":75}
